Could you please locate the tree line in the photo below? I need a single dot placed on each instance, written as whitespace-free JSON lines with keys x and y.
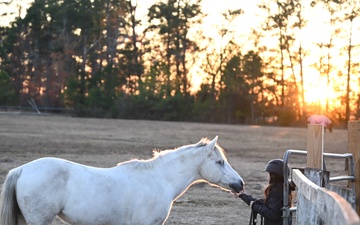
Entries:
{"x":100,"y":58}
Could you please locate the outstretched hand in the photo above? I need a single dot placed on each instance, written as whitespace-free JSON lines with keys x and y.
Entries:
{"x":246,"y":198}
{"x":237,"y":195}
{"x":242,"y":192}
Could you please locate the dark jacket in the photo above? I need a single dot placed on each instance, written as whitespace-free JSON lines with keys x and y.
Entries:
{"x":271,"y":210}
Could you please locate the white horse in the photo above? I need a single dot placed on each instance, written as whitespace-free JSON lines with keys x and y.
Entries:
{"x":138,"y":192}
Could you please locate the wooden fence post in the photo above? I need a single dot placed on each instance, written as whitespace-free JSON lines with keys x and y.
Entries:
{"x":315,"y":146}
{"x":354,"y":148}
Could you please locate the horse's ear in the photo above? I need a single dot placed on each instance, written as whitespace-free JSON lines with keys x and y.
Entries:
{"x":213,"y":142}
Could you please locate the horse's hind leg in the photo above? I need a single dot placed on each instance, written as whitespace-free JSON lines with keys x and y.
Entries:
{"x":38,"y":220}
{"x":21,"y":220}
{"x":38,"y":215}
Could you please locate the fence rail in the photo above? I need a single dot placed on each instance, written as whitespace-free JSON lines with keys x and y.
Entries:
{"x":318,"y":201}
{"x":34,"y":109}
{"x":349,"y":164}
{"x":321,"y":206}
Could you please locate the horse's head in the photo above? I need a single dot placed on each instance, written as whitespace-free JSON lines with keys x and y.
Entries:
{"x":216,"y":169}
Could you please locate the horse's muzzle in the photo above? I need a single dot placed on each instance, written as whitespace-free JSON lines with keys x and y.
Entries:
{"x":237,"y":187}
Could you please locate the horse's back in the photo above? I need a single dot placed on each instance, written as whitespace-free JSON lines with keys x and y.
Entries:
{"x":78,"y":193}
{"x":44,"y":170}
{"x":51,"y":174}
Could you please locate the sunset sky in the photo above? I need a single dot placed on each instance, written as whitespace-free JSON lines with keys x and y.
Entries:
{"x":315,"y":31}
{"x":208,"y":6}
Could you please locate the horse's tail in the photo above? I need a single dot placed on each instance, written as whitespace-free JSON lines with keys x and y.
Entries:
{"x":9,"y":206}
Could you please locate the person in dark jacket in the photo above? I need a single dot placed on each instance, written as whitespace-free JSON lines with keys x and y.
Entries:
{"x":271,"y":206}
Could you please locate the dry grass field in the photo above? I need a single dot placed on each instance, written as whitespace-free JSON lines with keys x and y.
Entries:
{"x":105,"y":142}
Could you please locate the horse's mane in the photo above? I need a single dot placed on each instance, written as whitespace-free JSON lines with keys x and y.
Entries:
{"x":158,"y":154}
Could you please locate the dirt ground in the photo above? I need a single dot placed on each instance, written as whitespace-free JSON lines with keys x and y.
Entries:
{"x":105,"y":142}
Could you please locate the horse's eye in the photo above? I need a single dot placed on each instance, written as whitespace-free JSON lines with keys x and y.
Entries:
{"x":220,"y":162}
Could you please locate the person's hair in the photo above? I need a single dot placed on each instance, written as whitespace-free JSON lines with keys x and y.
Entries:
{"x":274,"y":179}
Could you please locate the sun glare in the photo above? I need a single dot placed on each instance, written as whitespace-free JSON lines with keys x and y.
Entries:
{"x":317,"y":92}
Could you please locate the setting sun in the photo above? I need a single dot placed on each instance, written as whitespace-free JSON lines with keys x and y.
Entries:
{"x":242,"y":60}
{"x":316,"y":91}
{"x":324,"y":97}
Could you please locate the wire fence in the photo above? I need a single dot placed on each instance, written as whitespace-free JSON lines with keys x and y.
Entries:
{"x":33,"y":109}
